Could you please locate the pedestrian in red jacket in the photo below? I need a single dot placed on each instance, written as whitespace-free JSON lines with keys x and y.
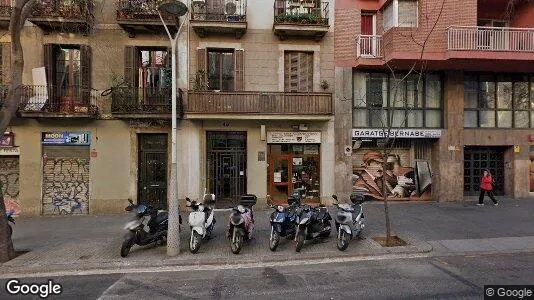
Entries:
{"x":486,"y":186}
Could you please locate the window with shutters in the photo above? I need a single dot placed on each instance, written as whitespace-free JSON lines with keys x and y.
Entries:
{"x":154,"y":66}
{"x":68,"y":74}
{"x":221,"y":69}
{"x":298,"y":71}
{"x":400,"y":13}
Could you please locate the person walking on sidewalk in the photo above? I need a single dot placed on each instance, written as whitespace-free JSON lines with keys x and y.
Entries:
{"x":486,"y":186}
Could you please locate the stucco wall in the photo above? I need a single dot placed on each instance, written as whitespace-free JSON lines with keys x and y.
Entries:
{"x":109,"y":171}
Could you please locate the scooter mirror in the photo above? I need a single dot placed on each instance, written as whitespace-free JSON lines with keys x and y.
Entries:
{"x":130,"y":200}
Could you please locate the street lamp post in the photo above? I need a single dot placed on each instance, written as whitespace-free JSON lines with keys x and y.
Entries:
{"x":177,"y":9}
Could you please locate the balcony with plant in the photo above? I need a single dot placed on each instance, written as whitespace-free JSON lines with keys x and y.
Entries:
{"x":301,"y":18}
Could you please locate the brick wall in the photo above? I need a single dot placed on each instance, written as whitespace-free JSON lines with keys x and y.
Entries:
{"x":347,"y":28}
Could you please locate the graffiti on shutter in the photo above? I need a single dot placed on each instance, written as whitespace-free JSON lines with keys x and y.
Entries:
{"x":65,"y":180}
{"x":9,"y":177}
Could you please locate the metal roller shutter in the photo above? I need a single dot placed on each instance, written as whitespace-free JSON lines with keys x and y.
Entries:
{"x":9,"y":176}
{"x":65,"y":180}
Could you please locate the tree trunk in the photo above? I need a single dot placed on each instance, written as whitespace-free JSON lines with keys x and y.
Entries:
{"x":7,"y":251}
{"x":19,"y":14}
{"x":385,"y":197}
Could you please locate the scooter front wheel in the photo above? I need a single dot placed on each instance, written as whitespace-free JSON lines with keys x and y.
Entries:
{"x":300,"y":241}
{"x":274,"y":240}
{"x":194,"y":243}
{"x":126,"y":246}
{"x":343,"y":240}
{"x":237,"y":241}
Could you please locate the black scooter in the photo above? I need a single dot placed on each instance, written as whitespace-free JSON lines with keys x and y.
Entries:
{"x":312,"y":224}
{"x":157,"y":222}
{"x":283,"y":221}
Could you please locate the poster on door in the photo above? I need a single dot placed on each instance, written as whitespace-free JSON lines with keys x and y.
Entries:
{"x":403,"y":179}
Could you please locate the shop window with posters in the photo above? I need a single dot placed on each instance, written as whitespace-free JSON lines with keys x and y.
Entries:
{"x":294,"y":168}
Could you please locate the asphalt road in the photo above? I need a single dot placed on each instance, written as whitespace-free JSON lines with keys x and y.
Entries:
{"x":450,"y":277}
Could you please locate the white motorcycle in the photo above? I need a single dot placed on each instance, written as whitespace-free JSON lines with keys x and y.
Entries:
{"x":349,"y":219}
{"x":201,"y":221}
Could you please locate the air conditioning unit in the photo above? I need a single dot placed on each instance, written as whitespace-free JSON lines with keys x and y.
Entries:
{"x":232,"y":10}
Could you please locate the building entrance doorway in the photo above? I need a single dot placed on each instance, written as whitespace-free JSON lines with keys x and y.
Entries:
{"x":226,"y":166}
{"x":476,"y":159}
{"x":152,"y":170}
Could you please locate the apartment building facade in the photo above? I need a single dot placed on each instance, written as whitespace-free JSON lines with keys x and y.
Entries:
{"x":93,"y":128}
{"x":454,"y":81}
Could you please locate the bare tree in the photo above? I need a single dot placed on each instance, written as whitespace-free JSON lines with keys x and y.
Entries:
{"x":19,"y":14}
{"x":427,"y":25}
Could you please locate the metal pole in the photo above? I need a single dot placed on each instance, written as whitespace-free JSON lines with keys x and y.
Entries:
{"x":173,"y":232}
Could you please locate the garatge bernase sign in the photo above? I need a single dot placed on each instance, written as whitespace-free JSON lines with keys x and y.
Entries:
{"x":398,"y":133}
{"x":66,"y":138}
{"x":293,"y":137}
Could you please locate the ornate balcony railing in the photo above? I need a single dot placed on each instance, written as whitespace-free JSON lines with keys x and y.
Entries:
{"x":369,"y":46}
{"x":232,"y":11}
{"x":479,"y":38}
{"x":73,"y":10}
{"x":301,"y":12}
{"x":142,"y":100}
{"x":58,"y":100}
{"x":139,"y":10}
{"x":208,"y":102}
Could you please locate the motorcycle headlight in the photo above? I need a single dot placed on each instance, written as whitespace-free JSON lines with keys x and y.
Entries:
{"x":236,"y":220}
{"x":280,"y":208}
{"x":303,"y":221}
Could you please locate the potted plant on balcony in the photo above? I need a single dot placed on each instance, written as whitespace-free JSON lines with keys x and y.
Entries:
{"x":201,"y":83}
{"x":324,"y":85}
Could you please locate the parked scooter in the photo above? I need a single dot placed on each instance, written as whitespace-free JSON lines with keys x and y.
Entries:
{"x":241,"y":225}
{"x":156,"y":221}
{"x":283,"y":221}
{"x":201,"y":221}
{"x":349,"y":219}
{"x":312,"y":224}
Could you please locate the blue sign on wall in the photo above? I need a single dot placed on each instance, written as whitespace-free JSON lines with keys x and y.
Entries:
{"x":66,"y":138}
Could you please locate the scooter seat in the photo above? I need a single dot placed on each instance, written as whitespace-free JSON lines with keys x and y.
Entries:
{"x":346,"y":207}
{"x":160,"y":217}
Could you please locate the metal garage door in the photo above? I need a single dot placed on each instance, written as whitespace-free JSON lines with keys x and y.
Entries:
{"x":65,"y":180}
{"x":9,"y":176}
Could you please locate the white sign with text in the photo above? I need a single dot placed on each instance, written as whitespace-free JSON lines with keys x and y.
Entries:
{"x":293,"y":137}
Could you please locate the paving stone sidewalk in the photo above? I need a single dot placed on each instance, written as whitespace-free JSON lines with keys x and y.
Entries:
{"x":93,"y":242}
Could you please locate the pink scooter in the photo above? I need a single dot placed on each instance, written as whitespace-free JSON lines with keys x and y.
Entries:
{"x":241,"y":225}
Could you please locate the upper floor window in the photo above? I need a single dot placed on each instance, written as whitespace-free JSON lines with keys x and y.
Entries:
{"x":400,"y":13}
{"x":381,"y":100}
{"x":220,"y":70}
{"x":498,"y":100}
{"x":298,"y":71}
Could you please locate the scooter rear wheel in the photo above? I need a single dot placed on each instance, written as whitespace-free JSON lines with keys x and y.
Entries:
{"x":194,"y":243}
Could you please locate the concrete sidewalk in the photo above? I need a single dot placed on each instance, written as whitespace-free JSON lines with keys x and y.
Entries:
{"x":93,"y":242}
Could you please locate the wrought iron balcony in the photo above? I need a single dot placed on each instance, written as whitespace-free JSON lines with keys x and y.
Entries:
{"x":258,"y":103}
{"x":61,"y":102}
{"x":301,"y":18}
{"x":478,"y":38}
{"x":209,"y":18}
{"x":369,"y":46}
{"x":141,"y":16}
{"x":56,"y":15}
{"x":5,"y":15}
{"x":143,"y":102}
